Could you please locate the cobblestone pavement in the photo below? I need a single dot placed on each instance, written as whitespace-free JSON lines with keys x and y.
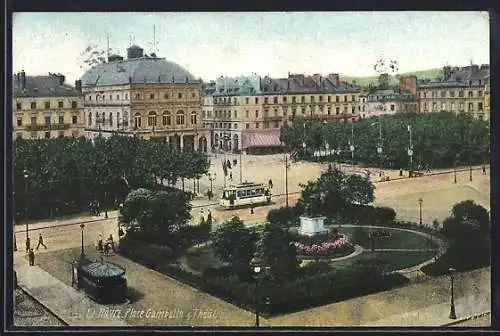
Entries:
{"x":28,"y":312}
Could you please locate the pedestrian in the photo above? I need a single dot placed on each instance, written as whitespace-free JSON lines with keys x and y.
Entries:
{"x":209,"y":217}
{"x":28,"y":244}
{"x":209,"y":194}
{"x":111,"y":242}
{"x":106,"y":249}
{"x":484,"y":170}
{"x":31,"y":257}
{"x":40,"y":242}
{"x":98,"y":208}
{"x":270,"y":184}
{"x":400,"y":172}
{"x":91,"y":208}
{"x":202,"y":216}
{"x":428,"y":169}
{"x":251,"y":210}
{"x":100,"y":247}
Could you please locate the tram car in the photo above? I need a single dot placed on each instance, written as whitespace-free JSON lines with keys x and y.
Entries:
{"x":245,"y":194}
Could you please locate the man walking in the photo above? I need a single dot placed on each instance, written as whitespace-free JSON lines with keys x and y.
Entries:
{"x":40,"y":242}
{"x":28,"y":244}
{"x":31,"y":257}
{"x":209,"y":218}
{"x":270,"y":184}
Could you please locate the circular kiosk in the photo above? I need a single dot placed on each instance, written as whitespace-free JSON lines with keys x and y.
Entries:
{"x":104,"y":282}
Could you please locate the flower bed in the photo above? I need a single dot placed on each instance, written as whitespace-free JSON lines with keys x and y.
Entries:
{"x":323,"y":245}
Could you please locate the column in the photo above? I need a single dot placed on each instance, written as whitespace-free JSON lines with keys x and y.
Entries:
{"x":195,"y":142}
{"x":181,"y":139}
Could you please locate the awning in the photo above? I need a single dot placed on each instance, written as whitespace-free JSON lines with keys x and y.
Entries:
{"x":261,"y":138}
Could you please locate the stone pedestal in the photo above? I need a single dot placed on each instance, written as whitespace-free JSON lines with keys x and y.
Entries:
{"x":310,"y":226}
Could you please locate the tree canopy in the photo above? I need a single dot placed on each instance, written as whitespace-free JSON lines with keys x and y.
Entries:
{"x":64,"y":174}
{"x":439,"y":140}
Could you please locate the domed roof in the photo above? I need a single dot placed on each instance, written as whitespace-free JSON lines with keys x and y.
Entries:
{"x":137,"y":71}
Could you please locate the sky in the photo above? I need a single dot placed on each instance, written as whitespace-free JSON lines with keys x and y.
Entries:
{"x":210,"y":45}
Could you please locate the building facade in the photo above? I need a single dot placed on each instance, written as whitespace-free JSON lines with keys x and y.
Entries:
{"x":144,"y":96}
{"x":46,"y":107}
{"x":461,"y":90}
{"x":250,"y":111}
{"x":390,"y":101}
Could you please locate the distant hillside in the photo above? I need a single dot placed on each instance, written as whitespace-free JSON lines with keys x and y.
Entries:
{"x":421,"y":74}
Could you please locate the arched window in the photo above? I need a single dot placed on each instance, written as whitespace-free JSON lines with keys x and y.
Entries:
{"x":137,"y":121}
{"x":194,"y":119}
{"x":167,"y":119}
{"x":152,"y":119}
{"x":90,"y":119}
{"x":179,"y":118}
{"x":110,"y":118}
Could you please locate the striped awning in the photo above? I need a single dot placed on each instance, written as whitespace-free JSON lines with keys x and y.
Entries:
{"x":263,"y":138}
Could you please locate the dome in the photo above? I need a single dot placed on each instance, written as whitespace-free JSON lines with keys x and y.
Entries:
{"x":137,"y":71}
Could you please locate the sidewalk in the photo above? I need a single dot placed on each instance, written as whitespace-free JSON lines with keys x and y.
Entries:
{"x":438,"y":315}
{"x":70,"y":305}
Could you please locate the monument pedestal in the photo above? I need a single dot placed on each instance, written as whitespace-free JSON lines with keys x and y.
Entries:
{"x":310,"y":226}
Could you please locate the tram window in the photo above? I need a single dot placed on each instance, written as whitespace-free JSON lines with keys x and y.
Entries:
{"x":241,"y":193}
{"x":225,"y":195}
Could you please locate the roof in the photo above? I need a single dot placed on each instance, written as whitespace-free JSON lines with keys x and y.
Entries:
{"x":391,"y":94}
{"x":262,"y":138}
{"x":137,"y":71}
{"x":245,"y":185}
{"x":461,"y":77}
{"x":103,"y":270}
{"x":42,"y":86}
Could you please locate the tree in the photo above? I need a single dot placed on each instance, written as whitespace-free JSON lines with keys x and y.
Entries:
{"x":233,"y":243}
{"x":467,"y":223}
{"x":279,"y":252}
{"x":156,"y":216}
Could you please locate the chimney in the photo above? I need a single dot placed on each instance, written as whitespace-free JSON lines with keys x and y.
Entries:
{"x":23,"y":80}
{"x":78,"y":85}
{"x":334,"y":78}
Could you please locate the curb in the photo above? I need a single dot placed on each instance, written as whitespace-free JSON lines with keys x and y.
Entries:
{"x":43,"y":305}
{"x":472,"y":317}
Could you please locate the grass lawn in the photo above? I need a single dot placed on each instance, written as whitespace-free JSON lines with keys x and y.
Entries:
{"x":395,"y":260}
{"x":399,"y":239}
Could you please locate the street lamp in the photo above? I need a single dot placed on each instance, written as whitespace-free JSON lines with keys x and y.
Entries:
{"x":420,"y":200}
{"x":256,"y":265}
{"x":410,"y":149}
{"x":452,"y":303}
{"x":82,"y":254}
{"x":106,"y":208}
{"x":455,"y":169}
{"x":211,"y":178}
{"x":351,"y":143}
{"x":25,"y":174}
{"x":120,"y":232}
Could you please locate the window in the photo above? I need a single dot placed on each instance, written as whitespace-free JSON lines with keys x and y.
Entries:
{"x":110,"y":119}
{"x":235,"y":126}
{"x":19,"y":121}
{"x":256,"y":113}
{"x":34,"y":135}
{"x":137,"y":121}
{"x":452,"y":108}
{"x":434,"y":106}
{"x":194,"y":118}
{"x":165,"y":96}
{"x":137,"y":96}
{"x":47,"y":135}
{"x":275,"y":100}
{"x":110,"y":97}
{"x":460,"y":93}
{"x":353,"y":110}
{"x":471,"y":94}
{"x":60,"y":134}
{"x":480,"y":106}
{"x":117,"y":97}
{"x":60,"y":104}
{"x":443,"y":94}
{"x":247,"y":126}
{"x":61,"y":119}
{"x":424,"y":94}
{"x":284,"y":99}
{"x":452,"y":94}
{"x":329,"y":99}
{"x":337,"y":110}
{"x":480,"y":93}
{"x":73,"y":104}
{"x":151,"y":96}
{"x":312,"y":99}
{"x":425,"y":106}
{"x":345,"y":98}
{"x":152,"y":119}
{"x":47,"y":120}
{"x":47,"y":105}
{"x":33,"y":105}
{"x":302,"y":99}
{"x":320,"y":98}
{"x":193,"y":95}
{"x":353,"y":98}
{"x":275,"y":112}
{"x":74,"y":119}
{"x":337,"y":99}
{"x":256,"y":125}
{"x":392,"y":107}
{"x":90,"y":97}
{"x":247,"y":100}
{"x":256,"y":100}
{"x":443,"y":106}
{"x":18,"y":105}
{"x":294,"y":100}
{"x":126,"y":95}
{"x":90,"y":119}
{"x":329,"y":110}
{"x":266,"y":100}
{"x":179,"y":95}
{"x":179,"y":118}
{"x":461,"y":106}
{"x":471,"y":106}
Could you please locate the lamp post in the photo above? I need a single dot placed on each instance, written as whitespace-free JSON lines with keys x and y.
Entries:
{"x":106,"y":208}
{"x":256,"y":265}
{"x":82,"y":254}
{"x":25,"y":174}
{"x":420,"y":200}
{"x":351,"y":143}
{"x":241,"y":167}
{"x":410,"y":148}
{"x":453,"y":315}
{"x":455,"y":169}
{"x":120,"y":232}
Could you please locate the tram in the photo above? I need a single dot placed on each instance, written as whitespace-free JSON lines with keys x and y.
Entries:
{"x":245,"y":194}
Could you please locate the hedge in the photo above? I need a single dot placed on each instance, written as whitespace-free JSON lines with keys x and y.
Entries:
{"x":150,"y":255}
